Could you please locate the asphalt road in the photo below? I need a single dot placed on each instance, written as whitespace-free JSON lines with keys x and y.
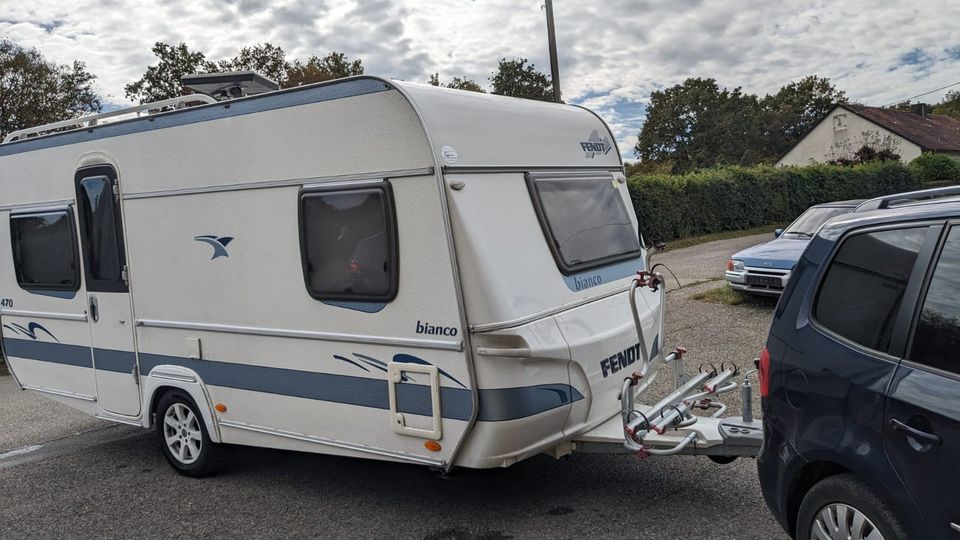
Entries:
{"x":64,"y":474}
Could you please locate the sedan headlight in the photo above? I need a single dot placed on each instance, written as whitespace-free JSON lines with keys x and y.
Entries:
{"x":735,"y":265}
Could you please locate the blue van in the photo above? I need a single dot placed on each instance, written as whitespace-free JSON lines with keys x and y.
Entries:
{"x":860,"y":379}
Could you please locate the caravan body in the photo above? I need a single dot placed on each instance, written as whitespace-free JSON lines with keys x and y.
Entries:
{"x":363,"y":267}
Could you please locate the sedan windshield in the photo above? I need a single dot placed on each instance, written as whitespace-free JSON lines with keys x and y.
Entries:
{"x":810,"y":221}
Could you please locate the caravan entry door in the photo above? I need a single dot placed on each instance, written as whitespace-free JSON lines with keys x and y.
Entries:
{"x":108,"y":296}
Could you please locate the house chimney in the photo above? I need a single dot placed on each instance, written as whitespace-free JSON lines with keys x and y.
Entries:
{"x":920,"y":108}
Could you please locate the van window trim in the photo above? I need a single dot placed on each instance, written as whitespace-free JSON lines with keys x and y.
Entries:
{"x":386,"y":189}
{"x":567,"y":269}
{"x":68,"y":212}
{"x":911,"y":293}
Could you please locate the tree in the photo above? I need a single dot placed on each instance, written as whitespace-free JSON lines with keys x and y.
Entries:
{"x":950,"y":106}
{"x":516,"y":78}
{"x":457,"y":83}
{"x":162,"y":81}
{"x":334,"y":65}
{"x":697,"y":124}
{"x":266,"y":59}
{"x":35,"y":91}
{"x":794,"y":109}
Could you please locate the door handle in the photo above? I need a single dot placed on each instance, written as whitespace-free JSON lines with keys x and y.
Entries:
{"x":928,"y":438}
{"x":94,"y":312}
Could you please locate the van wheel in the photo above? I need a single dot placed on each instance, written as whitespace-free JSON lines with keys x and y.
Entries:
{"x":843,"y":506}
{"x":183,"y":436}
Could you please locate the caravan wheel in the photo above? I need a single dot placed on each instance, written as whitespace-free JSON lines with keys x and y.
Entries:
{"x":183,"y":436}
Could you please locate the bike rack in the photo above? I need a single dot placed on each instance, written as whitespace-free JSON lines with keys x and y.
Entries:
{"x":655,"y":429}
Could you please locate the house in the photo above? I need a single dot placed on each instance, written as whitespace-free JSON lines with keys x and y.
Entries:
{"x":848,"y":127}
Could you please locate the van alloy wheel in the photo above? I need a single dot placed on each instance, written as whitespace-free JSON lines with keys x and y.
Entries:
{"x":181,"y":431}
{"x":841,"y":521}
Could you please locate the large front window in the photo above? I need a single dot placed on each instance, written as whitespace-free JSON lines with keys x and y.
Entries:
{"x":584,"y":219}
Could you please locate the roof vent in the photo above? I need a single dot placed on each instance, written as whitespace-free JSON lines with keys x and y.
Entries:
{"x":229,"y":85}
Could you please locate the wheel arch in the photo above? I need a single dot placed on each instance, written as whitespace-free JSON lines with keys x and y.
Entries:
{"x":806,"y":478}
{"x":164,"y":379}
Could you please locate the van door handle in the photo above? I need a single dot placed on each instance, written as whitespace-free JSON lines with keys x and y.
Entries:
{"x":94,"y":312}
{"x":914,"y":432}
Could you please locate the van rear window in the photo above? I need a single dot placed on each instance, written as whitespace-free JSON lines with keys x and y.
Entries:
{"x":584,"y":219}
{"x":45,"y":251}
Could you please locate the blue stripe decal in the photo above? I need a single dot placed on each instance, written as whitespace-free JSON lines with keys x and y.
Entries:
{"x":496,"y":405}
{"x":511,"y":403}
{"x":204,"y":113}
{"x":112,"y":360}
{"x":59,"y":353}
{"x":606,"y":274}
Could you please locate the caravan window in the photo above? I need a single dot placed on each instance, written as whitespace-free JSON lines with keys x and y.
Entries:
{"x":348,"y":243}
{"x":584,"y":219}
{"x":44,"y":251}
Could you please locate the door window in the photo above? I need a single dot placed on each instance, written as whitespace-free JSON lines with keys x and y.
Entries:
{"x":100,"y":231}
{"x":860,"y":296}
{"x":348,"y":244}
{"x":937,"y":336}
{"x":44,"y":251}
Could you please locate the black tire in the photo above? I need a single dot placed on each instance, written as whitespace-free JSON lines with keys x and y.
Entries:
{"x":203,"y":459}
{"x":722,"y":460}
{"x":850,"y":490}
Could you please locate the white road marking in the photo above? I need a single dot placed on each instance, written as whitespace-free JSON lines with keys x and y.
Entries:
{"x":20,"y":451}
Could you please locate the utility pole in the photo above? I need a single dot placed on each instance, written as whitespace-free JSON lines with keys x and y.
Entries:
{"x":554,"y":65}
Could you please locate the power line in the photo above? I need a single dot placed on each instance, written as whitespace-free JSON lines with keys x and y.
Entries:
{"x":920,"y":95}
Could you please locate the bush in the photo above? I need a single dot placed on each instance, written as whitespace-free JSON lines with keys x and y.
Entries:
{"x":733,"y":198}
{"x":931,"y":167}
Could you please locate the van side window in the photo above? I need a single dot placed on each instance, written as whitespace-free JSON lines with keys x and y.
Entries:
{"x":348,"y":243}
{"x":937,"y":336}
{"x":45,"y":251}
{"x":584,"y":220}
{"x":860,"y":296}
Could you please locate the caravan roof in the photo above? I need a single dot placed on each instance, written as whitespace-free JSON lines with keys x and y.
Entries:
{"x":465,"y":129}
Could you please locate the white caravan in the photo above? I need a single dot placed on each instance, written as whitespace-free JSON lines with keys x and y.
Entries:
{"x":364,"y":267}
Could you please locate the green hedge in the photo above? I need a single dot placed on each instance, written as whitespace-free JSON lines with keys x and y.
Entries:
{"x":734,"y":198}
{"x":930,"y":167}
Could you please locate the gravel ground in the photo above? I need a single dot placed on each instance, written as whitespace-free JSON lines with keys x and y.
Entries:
{"x":95,"y":481}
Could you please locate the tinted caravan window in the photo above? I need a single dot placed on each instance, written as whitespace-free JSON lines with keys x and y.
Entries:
{"x":348,"y":243}
{"x":861,"y":293}
{"x":44,"y":251}
{"x":584,"y":220}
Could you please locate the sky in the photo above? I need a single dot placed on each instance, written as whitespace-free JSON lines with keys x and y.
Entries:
{"x":613,"y":54}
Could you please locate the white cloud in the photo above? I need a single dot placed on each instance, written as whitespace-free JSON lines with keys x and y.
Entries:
{"x":613,"y":54}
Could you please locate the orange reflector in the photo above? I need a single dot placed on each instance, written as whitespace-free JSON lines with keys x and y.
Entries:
{"x":220,"y":407}
{"x":432,"y":446}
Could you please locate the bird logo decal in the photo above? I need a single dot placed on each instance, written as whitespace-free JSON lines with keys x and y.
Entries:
{"x":218,"y":243}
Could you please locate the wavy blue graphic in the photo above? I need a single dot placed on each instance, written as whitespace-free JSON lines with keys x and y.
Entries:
{"x":219,"y":244}
{"x":30,"y":330}
{"x":398,"y":358}
{"x":410,"y":359}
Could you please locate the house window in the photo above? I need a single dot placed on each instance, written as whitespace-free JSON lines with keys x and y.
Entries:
{"x":839,"y":122}
{"x":45,"y":251}
{"x":348,"y":243}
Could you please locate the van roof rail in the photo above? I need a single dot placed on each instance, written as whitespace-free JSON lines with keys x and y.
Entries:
{"x":178,"y":102}
{"x":882,"y":203}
